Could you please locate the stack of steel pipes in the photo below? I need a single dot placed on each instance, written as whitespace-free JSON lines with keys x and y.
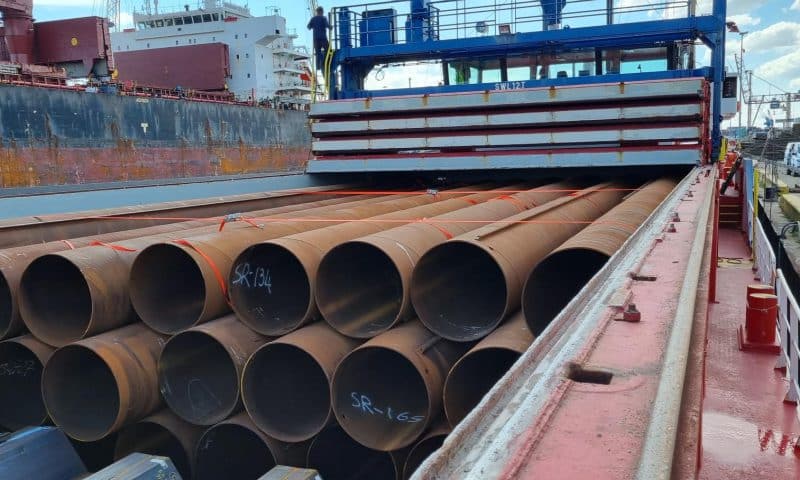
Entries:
{"x":346,"y":333}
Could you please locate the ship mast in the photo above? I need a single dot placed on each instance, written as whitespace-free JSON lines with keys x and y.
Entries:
{"x":113,"y":13}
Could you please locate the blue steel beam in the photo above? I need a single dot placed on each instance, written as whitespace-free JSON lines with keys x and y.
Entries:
{"x":715,"y":39}
{"x":356,"y":62}
{"x":626,"y":35}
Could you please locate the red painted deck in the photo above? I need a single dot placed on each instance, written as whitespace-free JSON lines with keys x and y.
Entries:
{"x":734,"y":424}
{"x":748,"y":432}
{"x":605,"y":425}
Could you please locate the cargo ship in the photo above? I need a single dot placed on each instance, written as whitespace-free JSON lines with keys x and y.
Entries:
{"x":71,"y":115}
{"x":566,"y":271}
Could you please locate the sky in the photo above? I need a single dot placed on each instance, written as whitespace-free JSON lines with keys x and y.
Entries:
{"x":772,"y":44}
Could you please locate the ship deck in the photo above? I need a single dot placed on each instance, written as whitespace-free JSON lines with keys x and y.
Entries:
{"x":732,"y":421}
{"x":747,"y":430}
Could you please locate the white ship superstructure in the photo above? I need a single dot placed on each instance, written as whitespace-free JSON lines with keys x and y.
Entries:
{"x":265,"y":65}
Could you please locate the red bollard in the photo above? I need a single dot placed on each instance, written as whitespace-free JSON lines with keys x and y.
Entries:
{"x":760,"y":322}
{"x":760,"y":288}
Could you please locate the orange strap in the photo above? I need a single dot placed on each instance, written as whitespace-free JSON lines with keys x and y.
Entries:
{"x":69,"y":244}
{"x":118,"y":248}
{"x":444,"y":231}
{"x":214,"y":268}
{"x":237,"y":217}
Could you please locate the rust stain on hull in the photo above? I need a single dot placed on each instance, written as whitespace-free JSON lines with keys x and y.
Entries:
{"x":53,"y":165}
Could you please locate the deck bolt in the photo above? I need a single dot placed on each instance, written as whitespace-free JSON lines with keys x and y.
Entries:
{"x":631,"y":314}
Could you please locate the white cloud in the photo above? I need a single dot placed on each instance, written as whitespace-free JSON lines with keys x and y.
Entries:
{"x":795,"y":5}
{"x":744,"y":19}
{"x":786,"y":67}
{"x":777,"y":35}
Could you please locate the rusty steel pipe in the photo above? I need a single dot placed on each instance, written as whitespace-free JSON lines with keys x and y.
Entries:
{"x":162,"y":434}
{"x":200,"y":369}
{"x":476,"y":372}
{"x":563,"y":273}
{"x":388,"y":391}
{"x":363,"y":285}
{"x":14,"y":261}
{"x":22,"y":360}
{"x":336,"y":456}
{"x":293,"y":261}
{"x":429,"y":443}
{"x":23,"y":231}
{"x":464,"y":288}
{"x":72,"y":294}
{"x":237,"y":449}
{"x":96,"y":386}
{"x":286,"y":383}
{"x":174,"y":287}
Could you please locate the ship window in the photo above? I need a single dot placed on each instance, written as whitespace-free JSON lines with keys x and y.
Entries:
{"x":470,"y":71}
{"x":213,"y":39}
{"x":148,"y":45}
{"x":152,"y":24}
{"x":179,"y":21}
{"x":518,"y":74}
{"x":640,"y":61}
{"x":207,"y":17}
{"x":167,"y":22}
{"x":159,"y":23}
{"x":197,"y":19}
{"x":215,"y":16}
{"x":187,"y":20}
{"x":245,"y":35}
{"x":236,"y":36}
{"x":246,"y":55}
{"x":177,"y":42}
{"x":248,"y":75}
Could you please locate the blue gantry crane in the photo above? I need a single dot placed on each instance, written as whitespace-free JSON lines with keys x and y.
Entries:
{"x":521,"y":84}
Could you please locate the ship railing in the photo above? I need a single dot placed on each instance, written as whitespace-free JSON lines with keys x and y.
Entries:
{"x":392,"y":22}
{"x":764,"y":256}
{"x":766,"y":264}
{"x":34,"y":79}
{"x":789,"y":329}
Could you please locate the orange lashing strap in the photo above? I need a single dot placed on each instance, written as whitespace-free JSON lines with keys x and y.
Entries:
{"x":69,"y":244}
{"x":444,"y":231}
{"x":237,"y":217}
{"x":214,"y":268}
{"x":118,"y":248}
